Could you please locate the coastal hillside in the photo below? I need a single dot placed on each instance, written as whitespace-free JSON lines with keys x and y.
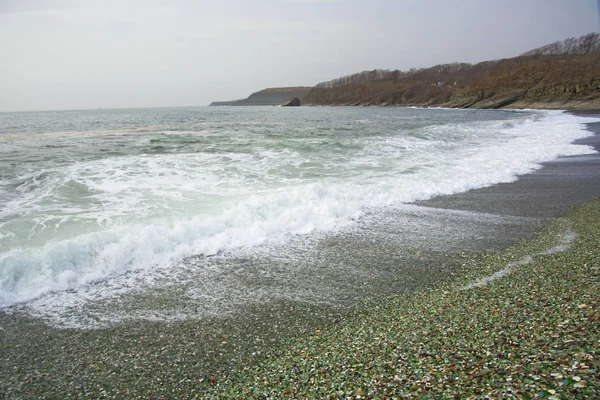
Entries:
{"x":561,"y":75}
{"x":268,"y":97}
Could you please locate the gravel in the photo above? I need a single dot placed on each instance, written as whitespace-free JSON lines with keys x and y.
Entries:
{"x":534,"y":332}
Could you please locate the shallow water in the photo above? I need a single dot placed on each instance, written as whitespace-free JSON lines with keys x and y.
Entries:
{"x":221,"y":207}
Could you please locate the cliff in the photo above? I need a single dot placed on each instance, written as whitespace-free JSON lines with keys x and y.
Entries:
{"x":268,"y":97}
{"x":550,"y":83}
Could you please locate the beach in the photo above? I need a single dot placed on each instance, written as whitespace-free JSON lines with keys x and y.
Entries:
{"x":552,"y":190}
{"x":207,"y":357}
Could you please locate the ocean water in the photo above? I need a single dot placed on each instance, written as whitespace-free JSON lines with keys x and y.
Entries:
{"x":100,"y":206}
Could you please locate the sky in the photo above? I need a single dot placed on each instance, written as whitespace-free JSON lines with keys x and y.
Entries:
{"x":70,"y":54}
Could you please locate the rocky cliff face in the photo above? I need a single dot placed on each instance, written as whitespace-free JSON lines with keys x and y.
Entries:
{"x":293,"y":102}
{"x":555,"y":84}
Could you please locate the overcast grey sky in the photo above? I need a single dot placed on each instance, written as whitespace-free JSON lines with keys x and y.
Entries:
{"x":69,"y":54}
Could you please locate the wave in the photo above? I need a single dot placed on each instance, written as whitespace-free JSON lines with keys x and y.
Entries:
{"x":450,"y":160}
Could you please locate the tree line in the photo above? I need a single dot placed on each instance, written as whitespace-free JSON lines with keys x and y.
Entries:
{"x":583,"y":45}
{"x":381,"y":75}
{"x":465,"y":73}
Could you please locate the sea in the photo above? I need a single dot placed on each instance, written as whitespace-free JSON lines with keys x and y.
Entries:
{"x":104,"y":214}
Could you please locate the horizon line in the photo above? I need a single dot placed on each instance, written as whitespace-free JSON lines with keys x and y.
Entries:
{"x":97,"y":109}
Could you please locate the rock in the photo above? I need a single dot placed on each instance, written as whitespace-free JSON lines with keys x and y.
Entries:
{"x":293,"y":102}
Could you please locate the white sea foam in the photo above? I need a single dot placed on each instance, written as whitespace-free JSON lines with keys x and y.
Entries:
{"x":565,"y":242}
{"x":148,"y":212}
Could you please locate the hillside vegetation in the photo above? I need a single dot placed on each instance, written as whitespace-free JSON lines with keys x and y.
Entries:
{"x":563,"y":75}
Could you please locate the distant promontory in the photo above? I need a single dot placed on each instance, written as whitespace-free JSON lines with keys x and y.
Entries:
{"x":269,"y":97}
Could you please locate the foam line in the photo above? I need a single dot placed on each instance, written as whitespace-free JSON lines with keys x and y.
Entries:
{"x":565,"y":242}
